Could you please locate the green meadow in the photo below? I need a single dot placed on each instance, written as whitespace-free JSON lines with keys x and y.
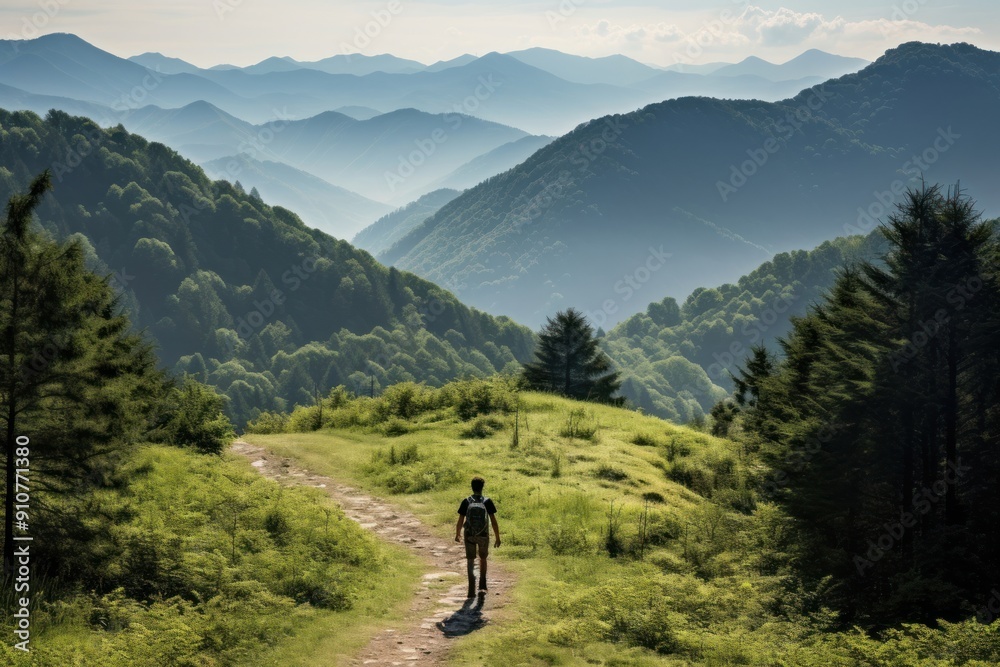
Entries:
{"x":212,"y":565}
{"x":634,"y":541}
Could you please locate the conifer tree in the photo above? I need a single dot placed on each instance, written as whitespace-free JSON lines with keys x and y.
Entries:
{"x":568,"y":361}
{"x":74,"y":381}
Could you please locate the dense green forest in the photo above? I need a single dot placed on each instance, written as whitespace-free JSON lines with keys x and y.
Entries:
{"x":879,"y":420}
{"x":241,"y":295}
{"x":675,"y":360}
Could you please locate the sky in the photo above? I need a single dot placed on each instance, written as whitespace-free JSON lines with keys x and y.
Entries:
{"x":243,"y":32}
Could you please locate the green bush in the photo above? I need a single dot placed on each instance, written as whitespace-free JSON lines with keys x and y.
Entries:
{"x":483,"y":427}
{"x":196,"y":418}
{"x":268,"y":423}
{"x":475,"y":397}
{"x":645,"y":440}
{"x":610,"y":473}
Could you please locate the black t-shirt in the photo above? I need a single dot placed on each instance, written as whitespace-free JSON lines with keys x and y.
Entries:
{"x":490,"y":507}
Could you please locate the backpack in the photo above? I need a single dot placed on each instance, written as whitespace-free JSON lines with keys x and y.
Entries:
{"x":477,"y":518}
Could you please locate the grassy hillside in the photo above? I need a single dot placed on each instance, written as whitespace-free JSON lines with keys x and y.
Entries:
{"x":636,"y":542}
{"x":213,"y":565}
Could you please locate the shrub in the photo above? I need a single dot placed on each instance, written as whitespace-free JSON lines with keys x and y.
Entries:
{"x":644,"y":440}
{"x":691,"y":476}
{"x":268,"y":423}
{"x":197,"y":418}
{"x":395,"y":427}
{"x":475,"y":397}
{"x":483,"y":427}
{"x":610,"y":473}
{"x":406,"y":400}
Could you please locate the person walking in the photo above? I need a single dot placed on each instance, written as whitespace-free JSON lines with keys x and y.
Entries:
{"x":476,"y":514}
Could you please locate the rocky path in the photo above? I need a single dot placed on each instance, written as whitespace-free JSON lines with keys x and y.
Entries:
{"x":440,"y":611}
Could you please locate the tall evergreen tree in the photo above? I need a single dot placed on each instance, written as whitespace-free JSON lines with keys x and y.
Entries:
{"x":882,"y":417}
{"x":74,"y":380}
{"x":568,"y":361}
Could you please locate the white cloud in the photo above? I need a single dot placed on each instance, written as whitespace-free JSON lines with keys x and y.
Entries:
{"x":635,"y":34}
{"x":786,"y":27}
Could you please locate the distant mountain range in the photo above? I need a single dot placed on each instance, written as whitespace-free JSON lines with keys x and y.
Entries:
{"x":389,"y":229}
{"x":538,"y":90}
{"x":334,"y":210}
{"x":693,"y":191}
{"x":393,"y":157}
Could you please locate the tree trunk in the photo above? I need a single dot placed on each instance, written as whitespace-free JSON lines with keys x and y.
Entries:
{"x":10,"y":445}
{"x":952,"y":514}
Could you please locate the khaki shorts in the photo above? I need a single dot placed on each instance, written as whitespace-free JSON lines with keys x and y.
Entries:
{"x":483,"y":543}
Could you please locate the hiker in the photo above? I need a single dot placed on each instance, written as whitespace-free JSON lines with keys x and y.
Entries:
{"x":472,"y":515}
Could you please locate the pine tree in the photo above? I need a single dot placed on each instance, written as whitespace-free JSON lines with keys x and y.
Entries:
{"x":74,"y":380}
{"x":880,"y":421}
{"x":568,"y":361}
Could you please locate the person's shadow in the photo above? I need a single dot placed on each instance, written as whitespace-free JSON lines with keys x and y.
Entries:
{"x":466,"y":620}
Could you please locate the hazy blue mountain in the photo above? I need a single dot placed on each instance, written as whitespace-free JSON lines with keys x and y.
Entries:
{"x":64,"y":65}
{"x":492,"y":163}
{"x":667,"y":85}
{"x":391,"y":158}
{"x":615,"y":70}
{"x":360,"y":65}
{"x":338,"y":212}
{"x":16,"y":99}
{"x":718,"y":185}
{"x":706,"y":68}
{"x":496,"y":87}
{"x":811,"y":63}
{"x":199,"y":131}
{"x":454,"y":62}
{"x":387,"y":230}
{"x":273,"y":64}
{"x":167,"y":65}
{"x":359,"y":113}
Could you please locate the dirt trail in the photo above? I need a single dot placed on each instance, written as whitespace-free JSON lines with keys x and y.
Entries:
{"x":440,"y":611}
